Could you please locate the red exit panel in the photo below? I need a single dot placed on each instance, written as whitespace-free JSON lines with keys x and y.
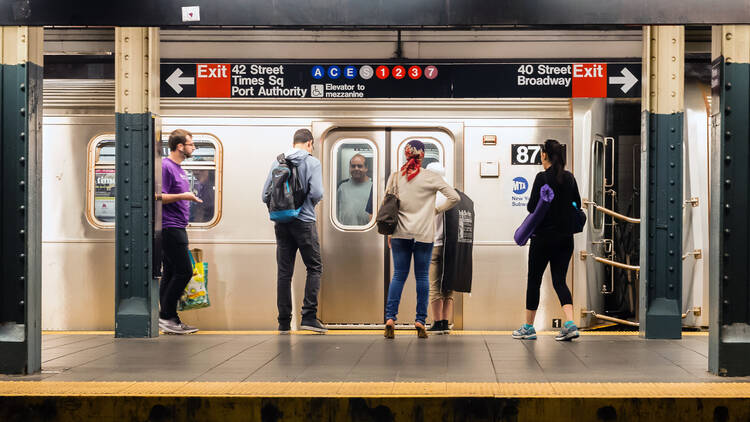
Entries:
{"x":212,"y":80}
{"x":589,"y":80}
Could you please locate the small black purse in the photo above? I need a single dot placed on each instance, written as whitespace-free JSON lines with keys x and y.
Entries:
{"x":387,"y":218}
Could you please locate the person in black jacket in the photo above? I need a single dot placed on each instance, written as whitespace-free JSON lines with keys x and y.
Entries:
{"x":552,"y":241}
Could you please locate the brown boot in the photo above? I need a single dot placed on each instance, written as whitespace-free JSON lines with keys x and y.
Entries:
{"x":421,"y":332}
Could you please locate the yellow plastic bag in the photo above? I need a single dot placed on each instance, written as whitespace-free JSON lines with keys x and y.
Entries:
{"x":195,"y":295}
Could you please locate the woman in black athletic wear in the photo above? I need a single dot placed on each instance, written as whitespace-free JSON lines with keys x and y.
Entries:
{"x":552,"y":241}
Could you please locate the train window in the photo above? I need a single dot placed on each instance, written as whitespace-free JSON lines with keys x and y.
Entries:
{"x":354,"y":168}
{"x":104,"y":180}
{"x":203,"y":170}
{"x":597,"y":181}
{"x":204,"y":154}
{"x":105,"y":152}
{"x":433,"y":152}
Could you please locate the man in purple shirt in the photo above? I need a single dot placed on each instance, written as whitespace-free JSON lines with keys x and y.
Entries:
{"x":175,"y":199}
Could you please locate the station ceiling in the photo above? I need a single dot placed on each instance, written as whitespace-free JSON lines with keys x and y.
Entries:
{"x":372,"y":13}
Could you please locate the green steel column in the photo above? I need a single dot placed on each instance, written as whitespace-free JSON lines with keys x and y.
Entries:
{"x":661,"y":201}
{"x":729,"y":291}
{"x":20,"y":199}
{"x":138,"y":174}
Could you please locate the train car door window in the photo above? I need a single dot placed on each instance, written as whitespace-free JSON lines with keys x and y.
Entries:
{"x":104,"y":181}
{"x":201,"y":169}
{"x":354,"y":167}
{"x":433,"y":152}
{"x":597,"y":180}
{"x":204,"y":170}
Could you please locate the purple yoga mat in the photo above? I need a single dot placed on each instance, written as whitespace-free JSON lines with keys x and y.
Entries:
{"x":526,"y":229}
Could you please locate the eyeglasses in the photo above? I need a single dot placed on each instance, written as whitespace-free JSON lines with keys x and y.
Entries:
{"x":190,"y":144}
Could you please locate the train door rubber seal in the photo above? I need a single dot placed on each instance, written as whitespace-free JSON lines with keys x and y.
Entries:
{"x":387,"y":254}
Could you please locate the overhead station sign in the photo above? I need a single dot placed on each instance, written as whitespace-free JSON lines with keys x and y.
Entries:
{"x":402,"y":80}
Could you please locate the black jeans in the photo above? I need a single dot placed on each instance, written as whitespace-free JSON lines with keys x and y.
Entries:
{"x":177,"y":270}
{"x":290,"y":237}
{"x":557,"y":252}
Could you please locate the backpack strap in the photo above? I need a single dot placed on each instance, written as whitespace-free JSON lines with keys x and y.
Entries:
{"x":281,"y":159}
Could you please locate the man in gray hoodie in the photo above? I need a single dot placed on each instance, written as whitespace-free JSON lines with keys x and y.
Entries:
{"x":300,"y":234}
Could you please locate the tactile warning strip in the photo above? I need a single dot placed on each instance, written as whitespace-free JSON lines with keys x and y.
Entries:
{"x":377,"y":389}
{"x":380,"y":332}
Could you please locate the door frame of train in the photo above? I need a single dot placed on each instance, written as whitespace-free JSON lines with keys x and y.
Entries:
{"x":454,"y":129}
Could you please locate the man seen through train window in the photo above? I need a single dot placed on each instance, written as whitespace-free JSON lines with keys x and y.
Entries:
{"x":204,"y":189}
{"x":353,"y":194}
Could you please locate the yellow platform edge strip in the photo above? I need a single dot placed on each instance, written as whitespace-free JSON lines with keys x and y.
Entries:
{"x":379,"y":332}
{"x":376,"y":389}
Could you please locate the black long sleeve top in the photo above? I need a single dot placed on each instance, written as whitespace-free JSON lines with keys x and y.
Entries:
{"x":559,"y":220}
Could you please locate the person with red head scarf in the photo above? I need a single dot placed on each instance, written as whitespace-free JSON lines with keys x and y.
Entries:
{"x":415,"y":232}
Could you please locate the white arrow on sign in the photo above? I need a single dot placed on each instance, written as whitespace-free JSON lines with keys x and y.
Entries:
{"x":627,"y":80}
{"x":175,"y":81}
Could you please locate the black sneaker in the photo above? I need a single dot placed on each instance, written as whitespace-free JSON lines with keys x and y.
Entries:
{"x":313,"y":325}
{"x":436,"y":328}
{"x":446,"y":327}
{"x":285,"y":327}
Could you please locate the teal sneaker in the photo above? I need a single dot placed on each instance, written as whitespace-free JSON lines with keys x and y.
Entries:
{"x":524,"y":333}
{"x":567,"y":333}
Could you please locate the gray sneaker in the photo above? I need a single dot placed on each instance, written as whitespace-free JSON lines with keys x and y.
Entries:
{"x":524,"y":333}
{"x":568,"y":333}
{"x":175,"y":327}
{"x":188,"y":328}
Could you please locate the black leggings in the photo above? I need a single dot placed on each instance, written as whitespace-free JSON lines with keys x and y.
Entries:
{"x":557,"y":251}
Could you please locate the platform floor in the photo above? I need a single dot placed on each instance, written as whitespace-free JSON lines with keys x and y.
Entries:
{"x":360,"y":376}
{"x":354,"y":356}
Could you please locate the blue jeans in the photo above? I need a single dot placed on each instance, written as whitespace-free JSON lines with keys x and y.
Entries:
{"x":402,"y":251}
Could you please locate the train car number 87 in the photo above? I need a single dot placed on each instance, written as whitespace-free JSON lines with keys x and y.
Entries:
{"x":526,"y":154}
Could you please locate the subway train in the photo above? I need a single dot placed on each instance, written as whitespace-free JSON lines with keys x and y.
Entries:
{"x":482,"y":143}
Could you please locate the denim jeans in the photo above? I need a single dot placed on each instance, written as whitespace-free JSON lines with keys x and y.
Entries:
{"x":402,"y":250}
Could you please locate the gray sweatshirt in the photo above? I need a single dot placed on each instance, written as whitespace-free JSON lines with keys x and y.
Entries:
{"x":311,"y":176}
{"x":416,"y":213}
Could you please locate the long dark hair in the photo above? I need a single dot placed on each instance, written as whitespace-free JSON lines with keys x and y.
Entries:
{"x":556,"y":156}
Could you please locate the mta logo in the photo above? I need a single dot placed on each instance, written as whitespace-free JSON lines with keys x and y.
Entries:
{"x":520,"y":185}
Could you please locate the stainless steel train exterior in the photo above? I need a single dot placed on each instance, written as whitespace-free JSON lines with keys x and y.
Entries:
{"x":238,"y":242}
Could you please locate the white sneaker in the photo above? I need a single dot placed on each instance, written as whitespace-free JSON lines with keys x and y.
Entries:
{"x":174,"y":327}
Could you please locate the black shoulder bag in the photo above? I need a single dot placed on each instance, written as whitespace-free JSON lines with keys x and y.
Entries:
{"x":387,"y":218}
